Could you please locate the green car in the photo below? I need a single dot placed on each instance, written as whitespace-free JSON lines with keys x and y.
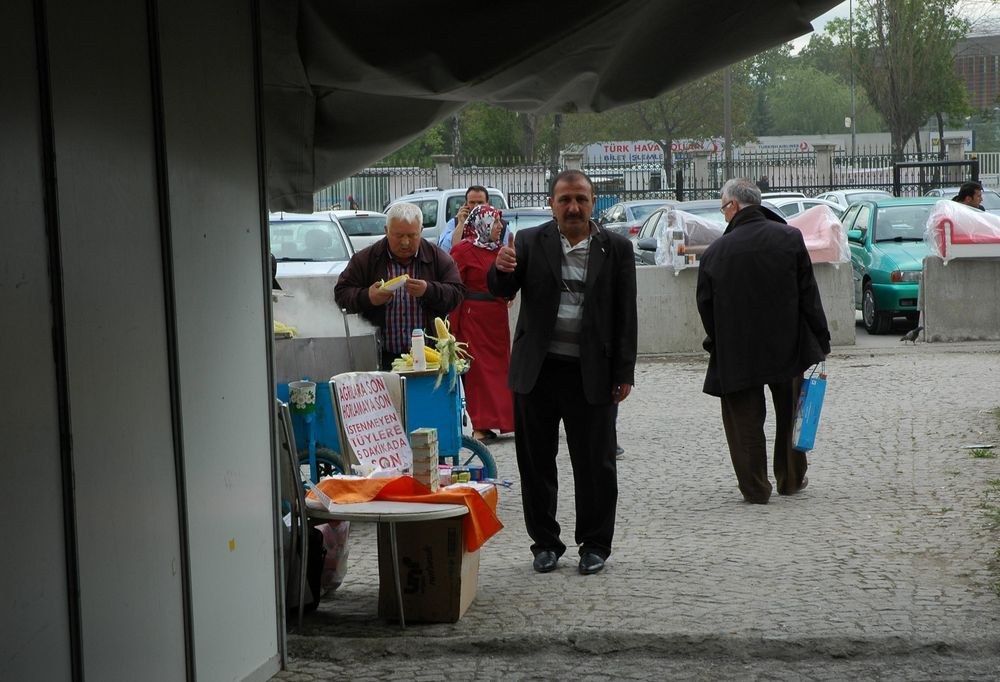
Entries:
{"x":887,"y":255}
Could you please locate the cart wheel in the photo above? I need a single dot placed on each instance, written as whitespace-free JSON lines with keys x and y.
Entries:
{"x":327,"y":462}
{"x":471,"y":450}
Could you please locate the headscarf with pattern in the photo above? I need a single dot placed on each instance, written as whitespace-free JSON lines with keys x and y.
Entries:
{"x":479,"y":227}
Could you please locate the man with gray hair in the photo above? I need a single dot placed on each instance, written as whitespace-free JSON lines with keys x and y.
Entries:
{"x":759,"y":303}
{"x":434,"y":287}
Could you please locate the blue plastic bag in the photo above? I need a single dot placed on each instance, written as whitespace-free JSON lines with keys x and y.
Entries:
{"x":808,"y":409}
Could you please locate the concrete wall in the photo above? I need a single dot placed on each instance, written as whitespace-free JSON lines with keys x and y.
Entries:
{"x":668,"y":313}
{"x":960,"y":301}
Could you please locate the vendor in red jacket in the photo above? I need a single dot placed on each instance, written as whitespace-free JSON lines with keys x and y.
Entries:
{"x":434,"y":287}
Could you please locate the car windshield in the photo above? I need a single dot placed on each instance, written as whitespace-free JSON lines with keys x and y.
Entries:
{"x":854,"y":197}
{"x":901,"y":223}
{"x":520,"y":222}
{"x":363,"y":226}
{"x":642,"y":211}
{"x":991,"y":200}
{"x":456,"y":202}
{"x":307,"y":240}
{"x":711,"y":213}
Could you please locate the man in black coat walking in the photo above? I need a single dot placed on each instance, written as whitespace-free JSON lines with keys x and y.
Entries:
{"x":759,"y":303}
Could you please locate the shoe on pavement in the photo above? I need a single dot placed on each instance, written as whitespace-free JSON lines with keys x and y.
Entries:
{"x":545,"y":561}
{"x":619,"y":452}
{"x":590,"y":563}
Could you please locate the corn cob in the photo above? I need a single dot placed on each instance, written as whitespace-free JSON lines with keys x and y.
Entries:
{"x":394,"y":280}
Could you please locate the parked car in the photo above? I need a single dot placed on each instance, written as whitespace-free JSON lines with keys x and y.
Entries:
{"x":991,"y":200}
{"x":886,"y":239}
{"x":521,"y":218}
{"x":626,"y":217}
{"x":308,"y":244}
{"x":440,"y":205}
{"x":789,"y":206}
{"x":644,"y":243}
{"x":361,"y":227}
{"x":846,"y":197}
{"x":780,"y":195}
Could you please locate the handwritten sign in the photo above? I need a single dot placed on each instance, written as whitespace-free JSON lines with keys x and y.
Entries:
{"x":374,"y":430}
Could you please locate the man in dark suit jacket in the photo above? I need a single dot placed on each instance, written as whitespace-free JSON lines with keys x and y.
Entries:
{"x":573,"y":359}
{"x":761,"y":308}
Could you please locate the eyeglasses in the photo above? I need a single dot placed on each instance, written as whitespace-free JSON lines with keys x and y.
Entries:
{"x":722,"y":209}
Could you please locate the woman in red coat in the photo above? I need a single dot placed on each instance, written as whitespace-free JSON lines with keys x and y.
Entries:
{"x":481,"y":321}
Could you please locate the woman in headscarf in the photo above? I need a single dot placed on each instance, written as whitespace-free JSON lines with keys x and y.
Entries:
{"x":481,"y":321}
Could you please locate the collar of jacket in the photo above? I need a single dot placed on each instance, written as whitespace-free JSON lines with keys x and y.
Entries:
{"x":753,"y":212}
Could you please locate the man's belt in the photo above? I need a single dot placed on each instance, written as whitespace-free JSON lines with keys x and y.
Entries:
{"x":479,"y":296}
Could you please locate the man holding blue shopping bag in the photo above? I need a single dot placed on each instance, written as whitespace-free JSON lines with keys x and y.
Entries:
{"x":761,"y":308}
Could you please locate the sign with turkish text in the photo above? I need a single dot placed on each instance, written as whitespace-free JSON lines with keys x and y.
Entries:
{"x":371,"y":423}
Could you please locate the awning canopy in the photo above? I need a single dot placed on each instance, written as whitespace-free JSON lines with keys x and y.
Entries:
{"x":346,"y":83}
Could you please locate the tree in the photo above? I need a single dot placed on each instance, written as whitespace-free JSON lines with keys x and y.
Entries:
{"x":807,"y":101}
{"x":903,"y":59}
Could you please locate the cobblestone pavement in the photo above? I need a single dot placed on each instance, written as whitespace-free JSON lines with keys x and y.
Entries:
{"x":884,"y":567}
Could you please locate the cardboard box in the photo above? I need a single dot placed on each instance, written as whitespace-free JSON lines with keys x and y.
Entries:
{"x":439,"y":578}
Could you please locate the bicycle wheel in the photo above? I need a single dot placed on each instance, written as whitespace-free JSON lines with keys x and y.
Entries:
{"x":472,"y":450}
{"x":327,"y":462}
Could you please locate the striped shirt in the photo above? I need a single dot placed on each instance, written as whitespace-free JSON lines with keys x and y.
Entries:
{"x":566,"y":334}
{"x":403,"y":313}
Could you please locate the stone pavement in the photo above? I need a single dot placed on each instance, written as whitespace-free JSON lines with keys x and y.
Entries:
{"x":885,"y":567}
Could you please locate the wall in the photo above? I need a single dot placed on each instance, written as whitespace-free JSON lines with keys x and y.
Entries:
{"x":960,"y":301}
{"x":668,"y":314}
{"x":137,"y":392}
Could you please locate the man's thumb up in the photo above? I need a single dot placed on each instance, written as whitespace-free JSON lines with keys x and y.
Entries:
{"x":506,"y":257}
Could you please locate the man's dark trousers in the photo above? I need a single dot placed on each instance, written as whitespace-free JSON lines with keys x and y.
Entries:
{"x":558,"y":394}
{"x":743,"y":414}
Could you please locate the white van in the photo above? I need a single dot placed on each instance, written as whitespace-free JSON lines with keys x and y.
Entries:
{"x":440,"y":205}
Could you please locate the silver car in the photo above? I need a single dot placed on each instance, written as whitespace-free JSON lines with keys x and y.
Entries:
{"x":308,"y":244}
{"x":626,"y":217}
{"x":363,"y":228}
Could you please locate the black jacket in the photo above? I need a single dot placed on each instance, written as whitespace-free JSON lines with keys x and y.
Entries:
{"x":608,"y":336}
{"x":759,"y":303}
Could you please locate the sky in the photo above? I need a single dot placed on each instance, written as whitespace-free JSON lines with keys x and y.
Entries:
{"x":984,"y":15}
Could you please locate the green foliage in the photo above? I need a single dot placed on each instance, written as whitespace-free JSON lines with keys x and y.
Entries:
{"x":984,"y":453}
{"x":808,"y":101}
{"x":903,"y":58}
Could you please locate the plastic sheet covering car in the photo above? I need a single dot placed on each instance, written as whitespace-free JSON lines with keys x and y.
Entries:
{"x":955,"y":230}
{"x":683,"y":228}
{"x":824,"y":235}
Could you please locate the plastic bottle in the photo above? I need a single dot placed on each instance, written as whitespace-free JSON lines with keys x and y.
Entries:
{"x":417,"y":350}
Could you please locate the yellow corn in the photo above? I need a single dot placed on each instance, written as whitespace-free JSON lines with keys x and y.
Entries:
{"x":432,"y":355}
{"x":395,"y":279}
{"x":441,"y":328}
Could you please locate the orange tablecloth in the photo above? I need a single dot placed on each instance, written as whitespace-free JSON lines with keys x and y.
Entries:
{"x":479,"y":525}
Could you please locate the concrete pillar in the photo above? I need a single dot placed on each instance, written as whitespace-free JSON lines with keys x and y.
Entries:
{"x":700,"y":158}
{"x":443,"y":167}
{"x":955,"y":151}
{"x":824,"y":164}
{"x":571,"y":160}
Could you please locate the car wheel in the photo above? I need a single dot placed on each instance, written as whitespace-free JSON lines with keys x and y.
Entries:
{"x":876,"y":321}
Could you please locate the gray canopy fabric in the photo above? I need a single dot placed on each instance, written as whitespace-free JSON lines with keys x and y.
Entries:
{"x":346,"y":83}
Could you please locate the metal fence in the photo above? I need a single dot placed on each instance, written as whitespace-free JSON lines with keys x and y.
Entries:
{"x":525,"y":181}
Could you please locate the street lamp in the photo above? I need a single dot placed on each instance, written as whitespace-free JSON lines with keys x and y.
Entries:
{"x":850,"y":31}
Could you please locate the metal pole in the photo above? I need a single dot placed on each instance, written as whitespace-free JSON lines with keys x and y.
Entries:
{"x":727,"y":120}
{"x":850,"y":30}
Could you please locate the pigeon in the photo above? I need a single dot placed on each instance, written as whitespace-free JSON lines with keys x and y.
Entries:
{"x":912,"y":335}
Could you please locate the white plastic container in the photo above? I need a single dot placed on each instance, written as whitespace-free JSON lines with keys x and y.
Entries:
{"x":417,"y":350}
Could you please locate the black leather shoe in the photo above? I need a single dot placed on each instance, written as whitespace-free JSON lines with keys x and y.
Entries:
{"x":590,"y":563}
{"x":545,"y":561}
